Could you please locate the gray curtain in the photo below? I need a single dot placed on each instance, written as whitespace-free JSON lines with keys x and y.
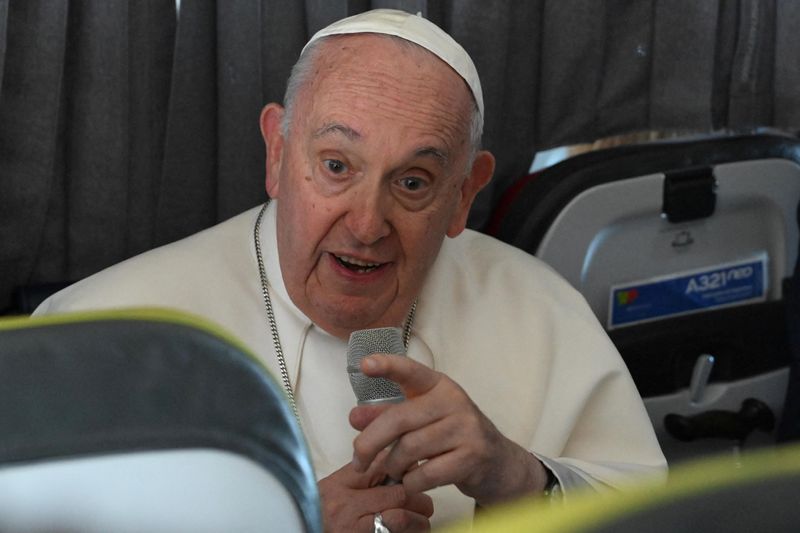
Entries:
{"x":121,"y":129}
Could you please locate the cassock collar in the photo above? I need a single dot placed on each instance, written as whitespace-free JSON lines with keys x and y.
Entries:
{"x":272,"y":264}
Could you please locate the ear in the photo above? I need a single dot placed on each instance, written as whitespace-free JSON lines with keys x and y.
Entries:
{"x":271,"y":119}
{"x":479,"y":176}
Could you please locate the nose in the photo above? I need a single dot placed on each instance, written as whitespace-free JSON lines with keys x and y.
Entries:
{"x":367,"y":217}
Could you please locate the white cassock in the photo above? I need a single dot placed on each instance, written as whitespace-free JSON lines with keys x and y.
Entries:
{"x":518,"y":338}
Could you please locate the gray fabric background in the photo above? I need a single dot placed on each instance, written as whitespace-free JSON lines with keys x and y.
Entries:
{"x":121,"y":130}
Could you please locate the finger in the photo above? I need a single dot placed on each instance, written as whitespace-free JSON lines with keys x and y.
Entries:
{"x":384,"y":497}
{"x":344,"y":507}
{"x":348,"y":476}
{"x":362,"y":415}
{"x":396,"y":496}
{"x":397,"y":521}
{"x":390,"y":426}
{"x":376,"y":473}
{"x":419,"y":503}
{"x":413,"y":377}
{"x":445,"y":469}
{"x":422,"y":444}
{"x":367,"y":523}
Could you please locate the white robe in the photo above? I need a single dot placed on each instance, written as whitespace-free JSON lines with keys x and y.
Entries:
{"x":516,"y":336}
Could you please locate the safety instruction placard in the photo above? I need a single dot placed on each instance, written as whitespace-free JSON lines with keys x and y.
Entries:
{"x":686,"y":292}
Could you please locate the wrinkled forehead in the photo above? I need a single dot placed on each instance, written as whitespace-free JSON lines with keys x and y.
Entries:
{"x":389,"y":77}
{"x":384,"y":51}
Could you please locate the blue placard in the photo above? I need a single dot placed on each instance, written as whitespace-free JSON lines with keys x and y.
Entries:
{"x":687,"y":292}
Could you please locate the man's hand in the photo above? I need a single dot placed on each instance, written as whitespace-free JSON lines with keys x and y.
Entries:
{"x":350,"y":500}
{"x":439,"y":427}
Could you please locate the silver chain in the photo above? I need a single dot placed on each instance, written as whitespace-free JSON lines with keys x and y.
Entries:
{"x":273,"y":325}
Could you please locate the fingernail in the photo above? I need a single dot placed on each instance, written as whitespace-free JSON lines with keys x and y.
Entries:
{"x":356,"y":463}
{"x":371,"y":363}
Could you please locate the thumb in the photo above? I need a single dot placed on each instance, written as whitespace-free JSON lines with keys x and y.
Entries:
{"x":363,"y":415}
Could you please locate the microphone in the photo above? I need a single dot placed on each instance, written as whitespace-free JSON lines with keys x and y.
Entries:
{"x":374,"y":391}
{"x":363,"y":342}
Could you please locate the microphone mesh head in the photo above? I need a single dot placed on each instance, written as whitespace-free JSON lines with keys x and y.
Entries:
{"x":365,"y":342}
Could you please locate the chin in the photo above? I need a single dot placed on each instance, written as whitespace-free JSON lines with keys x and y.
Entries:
{"x":346,"y":318}
{"x":354,"y":321}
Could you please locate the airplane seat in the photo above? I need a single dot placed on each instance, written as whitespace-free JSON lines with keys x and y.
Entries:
{"x":789,"y":429}
{"x":701,"y":496}
{"x":145,"y":420}
{"x":682,"y":250}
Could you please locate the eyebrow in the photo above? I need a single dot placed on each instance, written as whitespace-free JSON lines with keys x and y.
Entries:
{"x":353,"y":135}
{"x":329,"y":129}
{"x":432,"y":151}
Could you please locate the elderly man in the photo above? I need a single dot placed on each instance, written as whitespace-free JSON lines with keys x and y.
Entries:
{"x":512,"y":386}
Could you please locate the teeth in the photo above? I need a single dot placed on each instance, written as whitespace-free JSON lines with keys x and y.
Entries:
{"x":356,"y":262}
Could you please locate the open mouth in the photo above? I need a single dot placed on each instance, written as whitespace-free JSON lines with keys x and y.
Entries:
{"x":356,"y":265}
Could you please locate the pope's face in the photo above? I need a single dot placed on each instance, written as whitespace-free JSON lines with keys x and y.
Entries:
{"x":373,"y":173}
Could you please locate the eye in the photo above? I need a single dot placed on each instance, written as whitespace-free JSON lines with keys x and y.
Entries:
{"x":334,"y":166}
{"x":412,"y":183}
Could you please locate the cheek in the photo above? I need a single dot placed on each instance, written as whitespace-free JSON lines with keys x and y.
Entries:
{"x":312,"y":217}
{"x":422,"y":241}
{"x":438,"y":220}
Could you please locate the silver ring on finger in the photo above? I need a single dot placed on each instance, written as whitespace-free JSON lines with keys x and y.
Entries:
{"x":379,"y":527}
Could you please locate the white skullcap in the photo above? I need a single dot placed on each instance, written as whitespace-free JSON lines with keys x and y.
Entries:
{"x":412,"y":28}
